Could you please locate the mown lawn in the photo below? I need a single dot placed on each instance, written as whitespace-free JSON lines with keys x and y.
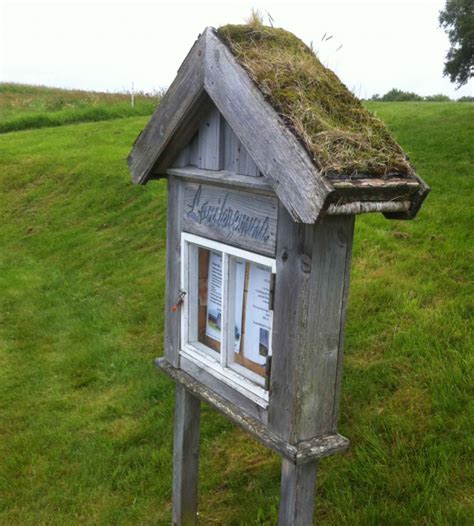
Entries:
{"x":86,"y":423}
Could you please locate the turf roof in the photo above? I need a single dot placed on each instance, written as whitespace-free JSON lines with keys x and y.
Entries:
{"x":343,"y":138}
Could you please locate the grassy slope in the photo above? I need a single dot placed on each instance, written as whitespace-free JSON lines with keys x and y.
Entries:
{"x":86,"y":424}
{"x":24,"y":107}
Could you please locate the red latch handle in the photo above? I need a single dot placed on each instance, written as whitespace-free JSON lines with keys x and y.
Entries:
{"x":177,"y":305}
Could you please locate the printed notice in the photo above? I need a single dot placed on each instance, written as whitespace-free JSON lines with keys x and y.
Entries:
{"x":214,"y":297}
{"x":257,"y":315}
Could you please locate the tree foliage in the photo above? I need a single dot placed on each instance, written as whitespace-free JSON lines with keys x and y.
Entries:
{"x":457,"y":19}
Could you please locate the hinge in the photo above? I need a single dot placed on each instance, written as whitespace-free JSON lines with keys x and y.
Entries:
{"x":271,"y":296}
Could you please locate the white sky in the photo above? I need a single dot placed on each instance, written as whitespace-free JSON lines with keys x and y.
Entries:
{"x":107,"y":45}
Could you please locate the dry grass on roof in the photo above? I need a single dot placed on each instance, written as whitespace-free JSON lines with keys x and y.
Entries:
{"x":344,"y":139}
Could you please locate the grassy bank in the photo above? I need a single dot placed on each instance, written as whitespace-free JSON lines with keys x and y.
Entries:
{"x":86,"y":423}
{"x":25,"y":107}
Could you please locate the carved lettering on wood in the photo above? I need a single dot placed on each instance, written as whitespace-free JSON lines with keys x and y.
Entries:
{"x":233,"y":217}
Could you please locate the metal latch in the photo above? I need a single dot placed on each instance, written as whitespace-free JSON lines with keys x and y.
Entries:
{"x":177,"y":305}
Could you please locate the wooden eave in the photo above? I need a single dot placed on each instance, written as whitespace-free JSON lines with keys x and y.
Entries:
{"x":210,"y":75}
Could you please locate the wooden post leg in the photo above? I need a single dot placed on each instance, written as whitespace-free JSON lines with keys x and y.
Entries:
{"x":298,"y":485}
{"x":185,"y":458}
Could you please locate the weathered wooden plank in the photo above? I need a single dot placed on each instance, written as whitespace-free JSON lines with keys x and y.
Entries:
{"x":373,"y":190}
{"x":289,"y":323}
{"x":319,"y":369}
{"x":211,"y":141}
{"x":194,"y":150}
{"x":173,"y":270}
{"x":345,"y":297}
{"x":185,"y":91}
{"x":276,"y":151}
{"x":247,"y":165}
{"x":183,"y":135}
{"x":183,"y":158}
{"x":304,"y":452}
{"x":231,"y":149}
{"x":223,"y":178}
{"x":227,"y":392}
{"x":416,"y":200}
{"x":298,"y":486}
{"x":233,"y":217}
{"x":186,"y":458}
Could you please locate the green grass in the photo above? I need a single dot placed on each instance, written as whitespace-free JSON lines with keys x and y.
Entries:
{"x":24,"y":107}
{"x":86,"y":423}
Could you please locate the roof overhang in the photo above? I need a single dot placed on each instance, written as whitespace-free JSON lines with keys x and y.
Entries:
{"x":210,"y":75}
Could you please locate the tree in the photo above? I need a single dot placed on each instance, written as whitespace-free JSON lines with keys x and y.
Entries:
{"x":457,"y":20}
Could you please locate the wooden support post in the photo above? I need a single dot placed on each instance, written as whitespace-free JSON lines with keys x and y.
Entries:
{"x":298,"y":486}
{"x":186,"y":458}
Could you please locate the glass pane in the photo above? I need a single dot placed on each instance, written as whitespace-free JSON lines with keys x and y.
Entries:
{"x":210,"y":298}
{"x":252,"y":317}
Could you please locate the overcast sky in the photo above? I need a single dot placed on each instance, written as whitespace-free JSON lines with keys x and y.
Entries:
{"x":107,"y":45}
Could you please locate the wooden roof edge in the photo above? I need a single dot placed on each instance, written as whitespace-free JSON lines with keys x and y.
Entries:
{"x":183,"y":93}
{"x":274,"y":148}
{"x":396,"y":197}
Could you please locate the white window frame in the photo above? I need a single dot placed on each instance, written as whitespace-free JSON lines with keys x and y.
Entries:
{"x":221,"y":365}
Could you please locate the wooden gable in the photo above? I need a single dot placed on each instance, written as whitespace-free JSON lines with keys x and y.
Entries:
{"x":209,"y":78}
{"x":216,"y":147}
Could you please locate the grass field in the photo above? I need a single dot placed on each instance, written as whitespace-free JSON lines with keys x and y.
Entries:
{"x":24,"y":107}
{"x":86,"y":423}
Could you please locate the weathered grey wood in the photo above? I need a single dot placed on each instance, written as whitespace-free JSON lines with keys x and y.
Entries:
{"x":186,"y":458}
{"x":247,"y":165}
{"x":183,"y":135}
{"x":301,"y":453}
{"x":313,"y":263}
{"x":298,"y":486}
{"x":233,"y":217}
{"x":224,"y":178}
{"x":211,"y":141}
{"x":318,"y":372}
{"x":415,"y":202}
{"x":227,"y":392}
{"x":342,"y":325}
{"x":358,"y":207}
{"x":289,"y":323}
{"x":185,"y":91}
{"x":194,"y":150}
{"x":373,"y":189}
{"x":231,"y":149}
{"x":183,"y":158}
{"x":276,"y":151}
{"x":173,"y":270}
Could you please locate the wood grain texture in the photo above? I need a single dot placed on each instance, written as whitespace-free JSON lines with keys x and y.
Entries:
{"x":298,"y":486}
{"x":232,"y":217}
{"x":185,"y":91}
{"x":289,"y":323}
{"x":301,"y":453}
{"x":186,"y":458}
{"x":173,"y":270}
{"x":275,"y":150}
{"x":211,"y":141}
{"x":223,"y":178}
{"x":313,"y":263}
{"x":319,"y":364}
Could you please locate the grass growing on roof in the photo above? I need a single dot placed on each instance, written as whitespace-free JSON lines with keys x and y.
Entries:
{"x":342,"y":137}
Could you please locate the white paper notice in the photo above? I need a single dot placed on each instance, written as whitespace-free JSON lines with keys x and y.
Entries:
{"x":214,"y":297}
{"x":257,"y":316}
{"x":239,"y":302}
